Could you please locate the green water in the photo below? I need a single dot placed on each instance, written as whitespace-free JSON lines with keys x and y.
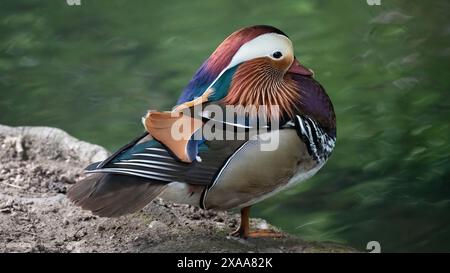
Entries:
{"x":94,"y":69}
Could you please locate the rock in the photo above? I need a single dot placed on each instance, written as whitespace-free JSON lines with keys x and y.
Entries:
{"x":38,"y":165}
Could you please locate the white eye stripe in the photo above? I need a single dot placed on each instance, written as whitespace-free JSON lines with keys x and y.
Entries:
{"x":262,"y":46}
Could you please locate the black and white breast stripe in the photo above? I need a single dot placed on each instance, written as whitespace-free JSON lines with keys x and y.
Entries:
{"x":319,"y":143}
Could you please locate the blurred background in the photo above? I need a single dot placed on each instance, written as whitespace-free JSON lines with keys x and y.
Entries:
{"x":94,"y":69}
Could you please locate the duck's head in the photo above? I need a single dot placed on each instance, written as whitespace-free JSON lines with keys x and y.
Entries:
{"x":253,"y":66}
{"x":263,"y":43}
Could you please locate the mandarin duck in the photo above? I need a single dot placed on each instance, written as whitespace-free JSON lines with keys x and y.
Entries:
{"x":254,"y":66}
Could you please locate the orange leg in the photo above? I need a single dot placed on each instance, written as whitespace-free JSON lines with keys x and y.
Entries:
{"x":244,"y":228}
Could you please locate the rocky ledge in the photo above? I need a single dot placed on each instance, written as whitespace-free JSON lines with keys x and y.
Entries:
{"x":39,"y":164}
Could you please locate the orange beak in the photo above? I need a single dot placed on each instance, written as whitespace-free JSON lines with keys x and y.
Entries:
{"x":297,"y":68}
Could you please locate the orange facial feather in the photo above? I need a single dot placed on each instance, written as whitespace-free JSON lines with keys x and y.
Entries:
{"x":263,"y":81}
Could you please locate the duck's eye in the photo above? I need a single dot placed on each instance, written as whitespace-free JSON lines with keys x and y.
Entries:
{"x":277,"y":55}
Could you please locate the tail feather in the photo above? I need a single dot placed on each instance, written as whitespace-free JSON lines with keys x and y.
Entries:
{"x":113,"y":195}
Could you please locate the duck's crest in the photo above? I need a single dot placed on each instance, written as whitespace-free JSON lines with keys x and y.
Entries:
{"x":220,"y":58}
